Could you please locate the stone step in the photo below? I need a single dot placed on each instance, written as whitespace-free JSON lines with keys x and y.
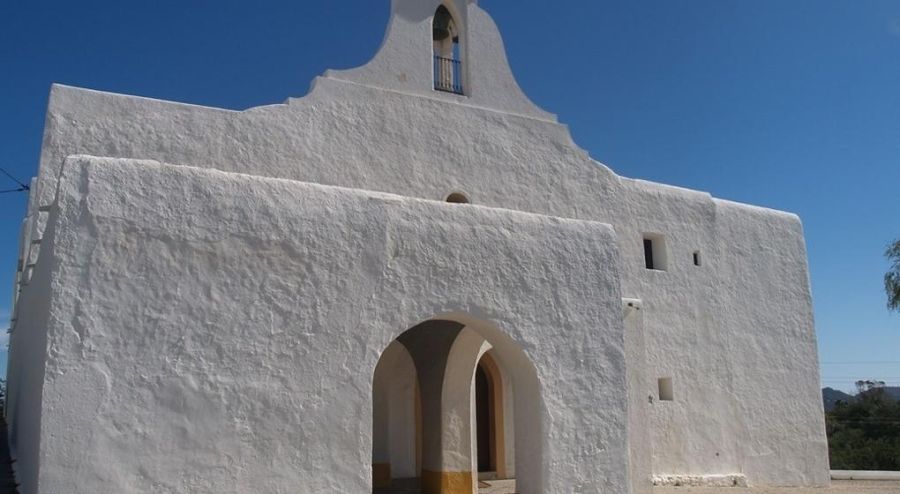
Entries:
{"x":497,"y":486}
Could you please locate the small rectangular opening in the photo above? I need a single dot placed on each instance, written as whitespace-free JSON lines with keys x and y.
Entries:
{"x":648,"y":253}
{"x":697,"y":258}
{"x":655,"y":257}
{"x":666,"y":391}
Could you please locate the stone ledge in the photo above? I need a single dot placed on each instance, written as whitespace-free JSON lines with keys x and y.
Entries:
{"x":864,"y":475}
{"x":731,"y":480}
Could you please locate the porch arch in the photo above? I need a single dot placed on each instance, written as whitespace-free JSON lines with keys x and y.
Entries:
{"x":446,"y":352}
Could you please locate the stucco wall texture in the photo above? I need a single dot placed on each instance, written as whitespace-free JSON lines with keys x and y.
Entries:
{"x":219,"y":332}
{"x":225,"y":286}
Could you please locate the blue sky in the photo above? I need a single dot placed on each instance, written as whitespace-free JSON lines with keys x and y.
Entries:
{"x":793,"y":105}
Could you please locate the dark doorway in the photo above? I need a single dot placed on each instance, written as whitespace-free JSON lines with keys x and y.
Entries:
{"x":484,"y":420}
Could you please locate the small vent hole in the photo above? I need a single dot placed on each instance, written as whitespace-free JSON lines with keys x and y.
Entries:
{"x":457,"y":198}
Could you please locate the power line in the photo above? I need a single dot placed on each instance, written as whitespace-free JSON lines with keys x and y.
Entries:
{"x":22,"y":186}
{"x":874,"y":362}
{"x":854,"y":379}
{"x":842,"y":383}
{"x":14,"y":179}
{"x":879,"y":378}
{"x":863,"y":422}
{"x":865,"y":419}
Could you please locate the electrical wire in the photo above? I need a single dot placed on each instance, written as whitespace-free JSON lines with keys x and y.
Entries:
{"x":14,"y":179}
{"x":22,"y":186}
{"x":874,"y":362}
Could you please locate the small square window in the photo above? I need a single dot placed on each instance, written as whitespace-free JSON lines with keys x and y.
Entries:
{"x":655,"y":256}
{"x":666,"y":391}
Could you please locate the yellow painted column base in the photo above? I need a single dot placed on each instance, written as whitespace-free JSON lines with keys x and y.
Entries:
{"x":381,"y":475}
{"x":446,"y":482}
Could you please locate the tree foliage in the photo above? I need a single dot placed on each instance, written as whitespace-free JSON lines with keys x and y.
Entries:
{"x":863,"y":387}
{"x":865,"y":434}
{"x":892,"y":278}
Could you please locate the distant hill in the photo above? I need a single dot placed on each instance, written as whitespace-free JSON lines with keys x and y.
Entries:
{"x":831,"y":396}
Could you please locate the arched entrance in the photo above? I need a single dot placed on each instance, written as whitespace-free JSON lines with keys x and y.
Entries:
{"x":443,"y":419}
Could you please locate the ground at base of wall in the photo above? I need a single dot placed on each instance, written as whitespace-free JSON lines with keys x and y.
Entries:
{"x":411,"y":486}
{"x":837,"y":487}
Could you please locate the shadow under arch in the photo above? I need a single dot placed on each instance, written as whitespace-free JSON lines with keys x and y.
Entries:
{"x":396,"y":417}
{"x":429,"y":345}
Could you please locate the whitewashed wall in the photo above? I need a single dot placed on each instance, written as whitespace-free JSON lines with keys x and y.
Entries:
{"x":730,"y":332}
{"x":218,"y":333}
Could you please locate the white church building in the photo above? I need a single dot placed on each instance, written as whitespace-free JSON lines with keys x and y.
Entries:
{"x":409,"y":280}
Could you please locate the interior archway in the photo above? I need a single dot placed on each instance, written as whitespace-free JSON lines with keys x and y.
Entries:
{"x":484,"y":410}
{"x":490,"y":418}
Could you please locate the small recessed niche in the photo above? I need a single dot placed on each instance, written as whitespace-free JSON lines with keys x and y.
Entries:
{"x":666,"y":391}
{"x":457,"y":198}
{"x":697,"y":260}
{"x":655,"y":256}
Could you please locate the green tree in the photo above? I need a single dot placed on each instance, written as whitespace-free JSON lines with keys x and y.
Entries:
{"x":865,"y":434}
{"x":892,"y":278}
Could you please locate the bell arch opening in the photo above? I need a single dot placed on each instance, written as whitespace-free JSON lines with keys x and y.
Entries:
{"x":456,"y":409}
{"x":448,"y":64}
